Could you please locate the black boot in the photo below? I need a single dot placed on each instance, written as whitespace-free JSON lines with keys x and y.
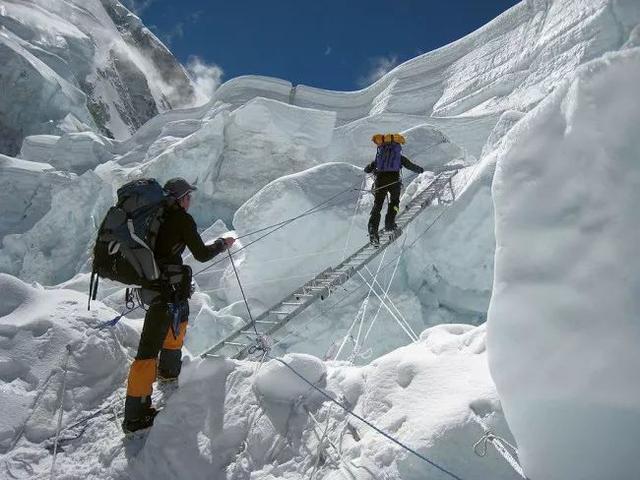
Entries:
{"x":130,"y":425}
{"x":138,"y":414}
{"x":391,"y":227}
{"x":374,"y":239}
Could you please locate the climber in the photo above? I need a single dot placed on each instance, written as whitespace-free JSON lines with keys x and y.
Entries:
{"x":386,"y":168}
{"x":165,"y":322}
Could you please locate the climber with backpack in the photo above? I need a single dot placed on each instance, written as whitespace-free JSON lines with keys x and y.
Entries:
{"x":140,"y":243}
{"x":386,"y":168}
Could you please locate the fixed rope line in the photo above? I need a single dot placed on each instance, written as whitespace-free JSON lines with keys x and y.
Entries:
{"x":365,"y":306}
{"x":303,"y":214}
{"x":356,"y":347}
{"x":395,"y":317}
{"x":501,"y":445}
{"x":360,"y":313}
{"x":388,"y":299}
{"x":237,"y":343}
{"x":322,"y":313}
{"x":386,"y":295}
{"x":280,"y":225}
{"x":362,"y":285}
{"x":244,"y":297}
{"x":363,"y":420}
{"x":59,"y":426}
{"x":353,"y":218}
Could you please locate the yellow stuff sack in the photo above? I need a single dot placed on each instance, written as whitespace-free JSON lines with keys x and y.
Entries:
{"x":380,"y":138}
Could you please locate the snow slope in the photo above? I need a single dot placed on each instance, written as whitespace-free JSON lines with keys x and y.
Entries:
{"x":563,"y":322}
{"x":77,"y":65}
{"x":36,"y":325}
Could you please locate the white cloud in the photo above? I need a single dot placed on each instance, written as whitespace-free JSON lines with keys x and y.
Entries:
{"x":328,"y":50}
{"x":379,"y":67}
{"x":206,"y":78}
{"x":138,"y":6}
{"x":176,"y":32}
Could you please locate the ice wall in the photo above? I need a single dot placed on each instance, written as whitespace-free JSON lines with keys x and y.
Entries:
{"x":76,"y":65}
{"x":563,"y":322}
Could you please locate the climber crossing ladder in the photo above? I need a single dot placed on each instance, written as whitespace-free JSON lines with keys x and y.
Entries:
{"x":242,"y":341}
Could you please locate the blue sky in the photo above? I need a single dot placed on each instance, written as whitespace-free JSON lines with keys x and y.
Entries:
{"x":339,"y":45}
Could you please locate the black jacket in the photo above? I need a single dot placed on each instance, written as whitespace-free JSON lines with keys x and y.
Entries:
{"x":177,"y":232}
{"x":384,"y":178}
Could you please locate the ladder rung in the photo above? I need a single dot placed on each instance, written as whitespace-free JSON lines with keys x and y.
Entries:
{"x":325,"y":282}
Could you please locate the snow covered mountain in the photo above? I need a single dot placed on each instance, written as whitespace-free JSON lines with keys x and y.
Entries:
{"x":544,"y":96}
{"x":81,"y":65}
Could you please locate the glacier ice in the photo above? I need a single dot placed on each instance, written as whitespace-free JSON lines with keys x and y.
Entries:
{"x":563,"y":330}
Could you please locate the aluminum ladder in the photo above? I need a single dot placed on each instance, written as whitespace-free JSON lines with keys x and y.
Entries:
{"x":239,"y":342}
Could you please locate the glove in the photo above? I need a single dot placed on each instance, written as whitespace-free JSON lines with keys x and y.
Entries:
{"x":421,"y":170}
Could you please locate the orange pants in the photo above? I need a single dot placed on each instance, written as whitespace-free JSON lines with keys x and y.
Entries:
{"x":157,"y":337}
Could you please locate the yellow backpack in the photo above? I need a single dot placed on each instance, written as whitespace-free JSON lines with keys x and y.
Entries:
{"x":380,"y":138}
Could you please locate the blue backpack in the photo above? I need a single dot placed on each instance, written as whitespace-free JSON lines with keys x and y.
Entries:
{"x":389,"y":157}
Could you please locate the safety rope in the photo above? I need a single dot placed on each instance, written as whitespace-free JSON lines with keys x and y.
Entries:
{"x":480,"y":449}
{"x":244,"y":297}
{"x":386,"y":295}
{"x":274,"y":227}
{"x":385,"y":298}
{"x":408,"y":330}
{"x":356,"y":346}
{"x":366,"y":422}
{"x":353,"y":218}
{"x":311,"y":211}
{"x":501,"y":445}
{"x":359,"y":316}
{"x":59,"y":426}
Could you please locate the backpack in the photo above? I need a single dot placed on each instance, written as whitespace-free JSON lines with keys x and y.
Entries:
{"x":127,"y":236}
{"x":389,"y":157}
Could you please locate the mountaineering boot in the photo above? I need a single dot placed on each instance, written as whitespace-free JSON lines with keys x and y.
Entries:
{"x":374,"y":239}
{"x":132,"y":425}
{"x":390,"y":227}
{"x":166,"y":378}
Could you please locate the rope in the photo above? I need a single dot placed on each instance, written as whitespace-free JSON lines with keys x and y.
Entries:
{"x":413,"y":336}
{"x":366,"y":422}
{"x":356,"y":347}
{"x":360,"y":314}
{"x":499,"y":443}
{"x":244,"y":297}
{"x":304,"y":214}
{"x":353,"y":218}
{"x":64,"y":387}
{"x":386,"y":295}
